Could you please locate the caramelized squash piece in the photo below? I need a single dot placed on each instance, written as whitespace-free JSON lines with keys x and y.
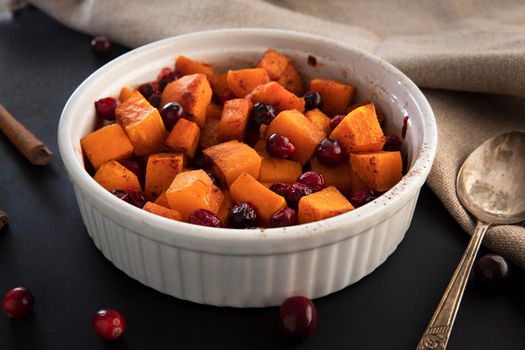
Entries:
{"x":336,"y":95}
{"x":338,"y":176}
{"x":230,"y":159}
{"x":125,"y":93}
{"x":356,"y":183}
{"x":210,"y":133}
{"x":291,"y":80}
{"x":276,"y":95}
{"x":224,"y":210}
{"x":192,"y":190}
{"x":360,"y":131}
{"x":184,"y":137}
{"x":247,"y":189}
{"x":187,"y":66}
{"x":274,"y":62}
{"x":219,"y":84}
{"x":161,"y":169}
{"x":279,"y":170}
{"x":319,"y":119}
{"x":142,"y":123}
{"x":105,"y":144}
{"x":162,"y":211}
{"x":114,"y":176}
{"x":193,"y":93}
{"x":322,"y":205}
{"x":235,"y":115}
{"x":380,"y":170}
{"x":162,"y":200}
{"x":301,"y":132}
{"x":241,"y":82}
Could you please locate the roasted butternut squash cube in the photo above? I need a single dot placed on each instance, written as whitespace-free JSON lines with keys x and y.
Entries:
{"x":292,"y":80}
{"x":162,"y":200}
{"x":142,"y":123}
{"x":336,"y":95}
{"x":379,"y":170}
{"x":193,"y":93}
{"x":279,"y":170}
{"x":210,"y":133}
{"x":276,"y":95}
{"x":184,"y":137}
{"x":301,"y":132}
{"x":356,"y":183}
{"x":319,"y":119}
{"x":187,"y":66}
{"x":162,"y":211}
{"x":338,"y":176}
{"x":114,"y":176}
{"x":242,"y":81}
{"x":247,"y":189}
{"x":224,"y":210}
{"x":125,"y":93}
{"x":230,"y":159}
{"x":161,"y":169}
{"x":274,"y":62}
{"x":234,"y":118}
{"x":322,"y":205}
{"x":360,"y":131}
{"x":192,"y":190}
{"x":219,"y":84}
{"x":105,"y":144}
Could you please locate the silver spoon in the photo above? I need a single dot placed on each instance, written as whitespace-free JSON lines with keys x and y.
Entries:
{"x":491,"y":186}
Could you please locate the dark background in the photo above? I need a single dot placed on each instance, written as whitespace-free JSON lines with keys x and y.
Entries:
{"x":46,"y":248}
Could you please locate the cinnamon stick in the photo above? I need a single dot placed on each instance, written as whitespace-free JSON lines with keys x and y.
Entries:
{"x":26,"y":142}
{"x":3,"y":219}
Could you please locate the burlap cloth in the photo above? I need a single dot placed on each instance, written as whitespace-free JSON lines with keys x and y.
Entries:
{"x":472,"y":50}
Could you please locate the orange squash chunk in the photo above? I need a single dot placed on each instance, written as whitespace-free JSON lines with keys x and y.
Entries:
{"x":162,"y":200}
{"x":338,"y":176}
{"x":193,"y":93}
{"x":184,"y":137}
{"x":336,"y":95}
{"x":322,"y":205}
{"x":276,"y":95}
{"x":161,"y":169}
{"x":260,"y":148}
{"x":224,"y":210}
{"x":234,"y":119}
{"x":241,"y":82}
{"x":274,"y":62}
{"x":360,"y":131}
{"x":356,"y":183}
{"x":142,"y":123}
{"x":105,"y":144}
{"x":187,"y":66}
{"x":279,"y":170}
{"x":210,"y":133}
{"x":319,"y":119}
{"x":380,"y":170}
{"x":125,"y":93}
{"x":213,"y":111}
{"x":230,"y":159}
{"x":291,"y":80}
{"x":192,"y":190}
{"x":301,"y":132}
{"x":114,"y":176}
{"x":247,"y":189}
{"x":219,"y":84}
{"x":162,"y":211}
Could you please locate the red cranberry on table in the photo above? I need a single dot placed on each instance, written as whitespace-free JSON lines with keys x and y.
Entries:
{"x":204,"y":217}
{"x":313,"y":180}
{"x":283,"y":217}
{"x":171,"y":113}
{"x":101,"y":46}
{"x":312,"y":100}
{"x":279,"y":146}
{"x":297,"y":318}
{"x":262,"y":113}
{"x":18,"y":303}
{"x":280,"y":188}
{"x":491,"y":270}
{"x":330,"y":153}
{"x":336,"y":120}
{"x":105,"y":108}
{"x":296,"y":192}
{"x":362,"y":197}
{"x":243,"y":215}
{"x":108,"y":324}
{"x":132,"y":197}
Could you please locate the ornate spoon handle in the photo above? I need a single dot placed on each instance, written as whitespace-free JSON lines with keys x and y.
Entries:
{"x":438,"y":330}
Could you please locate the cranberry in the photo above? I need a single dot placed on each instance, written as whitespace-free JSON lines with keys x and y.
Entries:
{"x":243,"y":215}
{"x":146,"y":90}
{"x":362,"y":197}
{"x":132,"y":197}
{"x":312,"y":100}
{"x":18,"y":302}
{"x":154,"y":99}
{"x":297,"y":318}
{"x":108,"y":324}
{"x":392,"y":143}
{"x":280,"y":188}
{"x":204,"y":217}
{"x":491,"y":269}
{"x":134,"y":166}
{"x":336,"y":120}
{"x":163,"y":73}
{"x":105,"y":108}
{"x":296,"y":191}
{"x":101,"y":46}
{"x":405,"y":127}
{"x":171,"y":113}
{"x":262,"y":113}
{"x":283,"y":217}
{"x":228,"y":95}
{"x":313,"y":180}
{"x":279,"y":146}
{"x":330,"y":153}
{"x":166,"y":79}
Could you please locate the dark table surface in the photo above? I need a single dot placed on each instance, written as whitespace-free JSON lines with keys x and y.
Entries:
{"x":46,"y":248}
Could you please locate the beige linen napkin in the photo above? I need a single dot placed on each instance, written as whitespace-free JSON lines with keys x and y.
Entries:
{"x":472,"y":50}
